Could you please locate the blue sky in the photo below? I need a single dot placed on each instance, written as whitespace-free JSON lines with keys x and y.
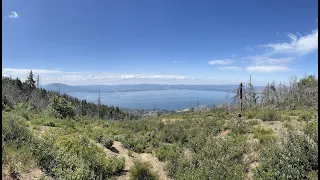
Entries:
{"x":164,"y":42}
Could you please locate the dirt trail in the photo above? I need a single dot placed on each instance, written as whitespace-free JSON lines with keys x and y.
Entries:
{"x":30,"y":174}
{"x":123,"y":152}
{"x":34,"y":174}
{"x":253,"y":157}
{"x":118,"y":150}
{"x":156,"y":165}
{"x":224,"y":133}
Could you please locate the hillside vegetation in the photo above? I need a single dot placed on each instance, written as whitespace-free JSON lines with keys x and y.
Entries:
{"x":50,"y":136}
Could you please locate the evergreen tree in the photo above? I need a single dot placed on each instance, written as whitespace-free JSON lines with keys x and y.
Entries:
{"x":30,"y":81}
{"x":18,"y":83}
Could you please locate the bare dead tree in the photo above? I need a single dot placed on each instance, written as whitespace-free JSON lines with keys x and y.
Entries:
{"x":99,"y":103}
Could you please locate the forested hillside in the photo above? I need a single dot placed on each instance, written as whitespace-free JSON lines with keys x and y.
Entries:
{"x":50,"y":136}
{"x":15,"y":92}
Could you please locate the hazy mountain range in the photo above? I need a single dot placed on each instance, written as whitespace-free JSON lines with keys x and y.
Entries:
{"x":139,"y":87}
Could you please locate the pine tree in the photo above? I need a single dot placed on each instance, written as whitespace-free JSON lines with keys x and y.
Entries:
{"x":30,"y":81}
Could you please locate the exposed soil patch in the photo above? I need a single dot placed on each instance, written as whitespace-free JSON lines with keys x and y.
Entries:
{"x":118,"y":150}
{"x":224,"y":133}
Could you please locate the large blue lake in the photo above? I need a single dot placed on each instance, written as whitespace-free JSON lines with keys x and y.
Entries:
{"x":161,"y":99}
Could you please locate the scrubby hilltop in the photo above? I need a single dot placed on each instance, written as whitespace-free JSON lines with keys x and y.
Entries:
{"x":49,"y":136}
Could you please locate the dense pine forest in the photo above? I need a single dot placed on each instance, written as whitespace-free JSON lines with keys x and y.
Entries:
{"x":48,"y":135}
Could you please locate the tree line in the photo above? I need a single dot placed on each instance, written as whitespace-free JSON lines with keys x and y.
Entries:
{"x":301,"y":93}
{"x":15,"y":92}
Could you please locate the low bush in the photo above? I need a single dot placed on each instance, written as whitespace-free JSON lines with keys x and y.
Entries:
{"x":107,"y":142}
{"x":254,"y":122}
{"x":312,"y":130}
{"x":141,"y":171}
{"x":295,"y":158}
{"x":251,"y":114}
{"x":285,"y":118}
{"x":269,"y":115}
{"x":220,"y":158}
{"x":74,"y":157}
{"x":167,"y":152}
{"x":305,"y":116}
{"x":241,"y":127}
{"x":264,"y":135}
{"x":137,"y":144}
{"x":17,"y":159}
{"x":14,"y":128}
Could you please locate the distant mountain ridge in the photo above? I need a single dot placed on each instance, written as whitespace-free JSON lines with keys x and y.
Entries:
{"x":64,"y":88}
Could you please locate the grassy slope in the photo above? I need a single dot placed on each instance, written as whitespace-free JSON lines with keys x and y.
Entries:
{"x":215,"y":144}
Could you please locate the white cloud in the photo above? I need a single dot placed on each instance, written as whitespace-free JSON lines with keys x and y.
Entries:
{"x":12,"y":71}
{"x":220,"y":62}
{"x":50,"y":76}
{"x":267,"y":68}
{"x":138,"y":76}
{"x":13,"y":15}
{"x":234,"y":68}
{"x":263,"y":60}
{"x":298,"y":45}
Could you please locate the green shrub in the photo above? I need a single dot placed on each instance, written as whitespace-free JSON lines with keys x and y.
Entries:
{"x":141,"y":171}
{"x":136,"y":144}
{"x":167,"y":152}
{"x":305,"y":116}
{"x":37,"y":121}
{"x":241,"y":127}
{"x":14,"y":128}
{"x":17,"y":159}
{"x":311,"y":129}
{"x":51,"y":124}
{"x":269,"y":115}
{"x":285,"y":118}
{"x":35,"y":127}
{"x":251,"y":114}
{"x":295,"y":158}
{"x":61,"y":108}
{"x":73,"y":156}
{"x":107,"y":142}
{"x":264,"y":135}
{"x":6,"y":105}
{"x":220,"y":158}
{"x":254,"y":122}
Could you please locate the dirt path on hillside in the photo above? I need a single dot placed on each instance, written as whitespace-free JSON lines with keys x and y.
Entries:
{"x":118,"y":150}
{"x":253,"y":156}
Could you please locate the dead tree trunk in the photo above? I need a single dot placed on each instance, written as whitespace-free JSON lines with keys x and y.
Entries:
{"x":240,"y":95}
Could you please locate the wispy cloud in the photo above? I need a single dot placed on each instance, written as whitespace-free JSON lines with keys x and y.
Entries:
{"x":264,"y":60}
{"x":220,"y":62}
{"x":12,"y":71}
{"x":13,"y":14}
{"x":234,"y":68}
{"x":267,"y":68}
{"x":298,"y":45}
{"x":176,"y":62}
{"x":138,"y":76}
{"x":50,"y":76}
